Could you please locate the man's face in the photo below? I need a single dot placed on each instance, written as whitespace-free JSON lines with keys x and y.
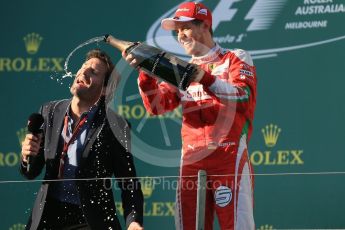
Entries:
{"x":191,"y":37}
{"x":88,"y":83}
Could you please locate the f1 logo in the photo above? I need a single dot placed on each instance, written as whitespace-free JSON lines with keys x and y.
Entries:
{"x":261,"y":14}
{"x":224,"y":12}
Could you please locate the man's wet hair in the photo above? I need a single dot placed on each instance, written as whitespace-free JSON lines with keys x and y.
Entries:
{"x":104,"y":57}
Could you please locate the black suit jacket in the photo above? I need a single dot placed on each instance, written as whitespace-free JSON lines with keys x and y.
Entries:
{"x":106,"y":153}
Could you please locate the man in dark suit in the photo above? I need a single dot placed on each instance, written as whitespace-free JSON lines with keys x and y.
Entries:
{"x":82,"y":145}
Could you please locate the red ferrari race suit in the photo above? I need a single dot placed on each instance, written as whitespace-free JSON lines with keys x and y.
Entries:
{"x":217,"y":124}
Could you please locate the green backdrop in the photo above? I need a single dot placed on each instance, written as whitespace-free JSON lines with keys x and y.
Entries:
{"x":298,"y":48}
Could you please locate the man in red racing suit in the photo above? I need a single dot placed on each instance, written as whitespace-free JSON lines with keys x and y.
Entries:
{"x":218,"y":110}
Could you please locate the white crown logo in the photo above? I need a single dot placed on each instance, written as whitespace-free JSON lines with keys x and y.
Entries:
{"x":32,"y":42}
{"x":271,"y":134}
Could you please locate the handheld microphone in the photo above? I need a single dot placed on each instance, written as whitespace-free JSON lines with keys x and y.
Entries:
{"x":35,"y":123}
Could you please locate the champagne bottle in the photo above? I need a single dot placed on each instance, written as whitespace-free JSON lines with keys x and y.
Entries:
{"x":157,"y":62}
